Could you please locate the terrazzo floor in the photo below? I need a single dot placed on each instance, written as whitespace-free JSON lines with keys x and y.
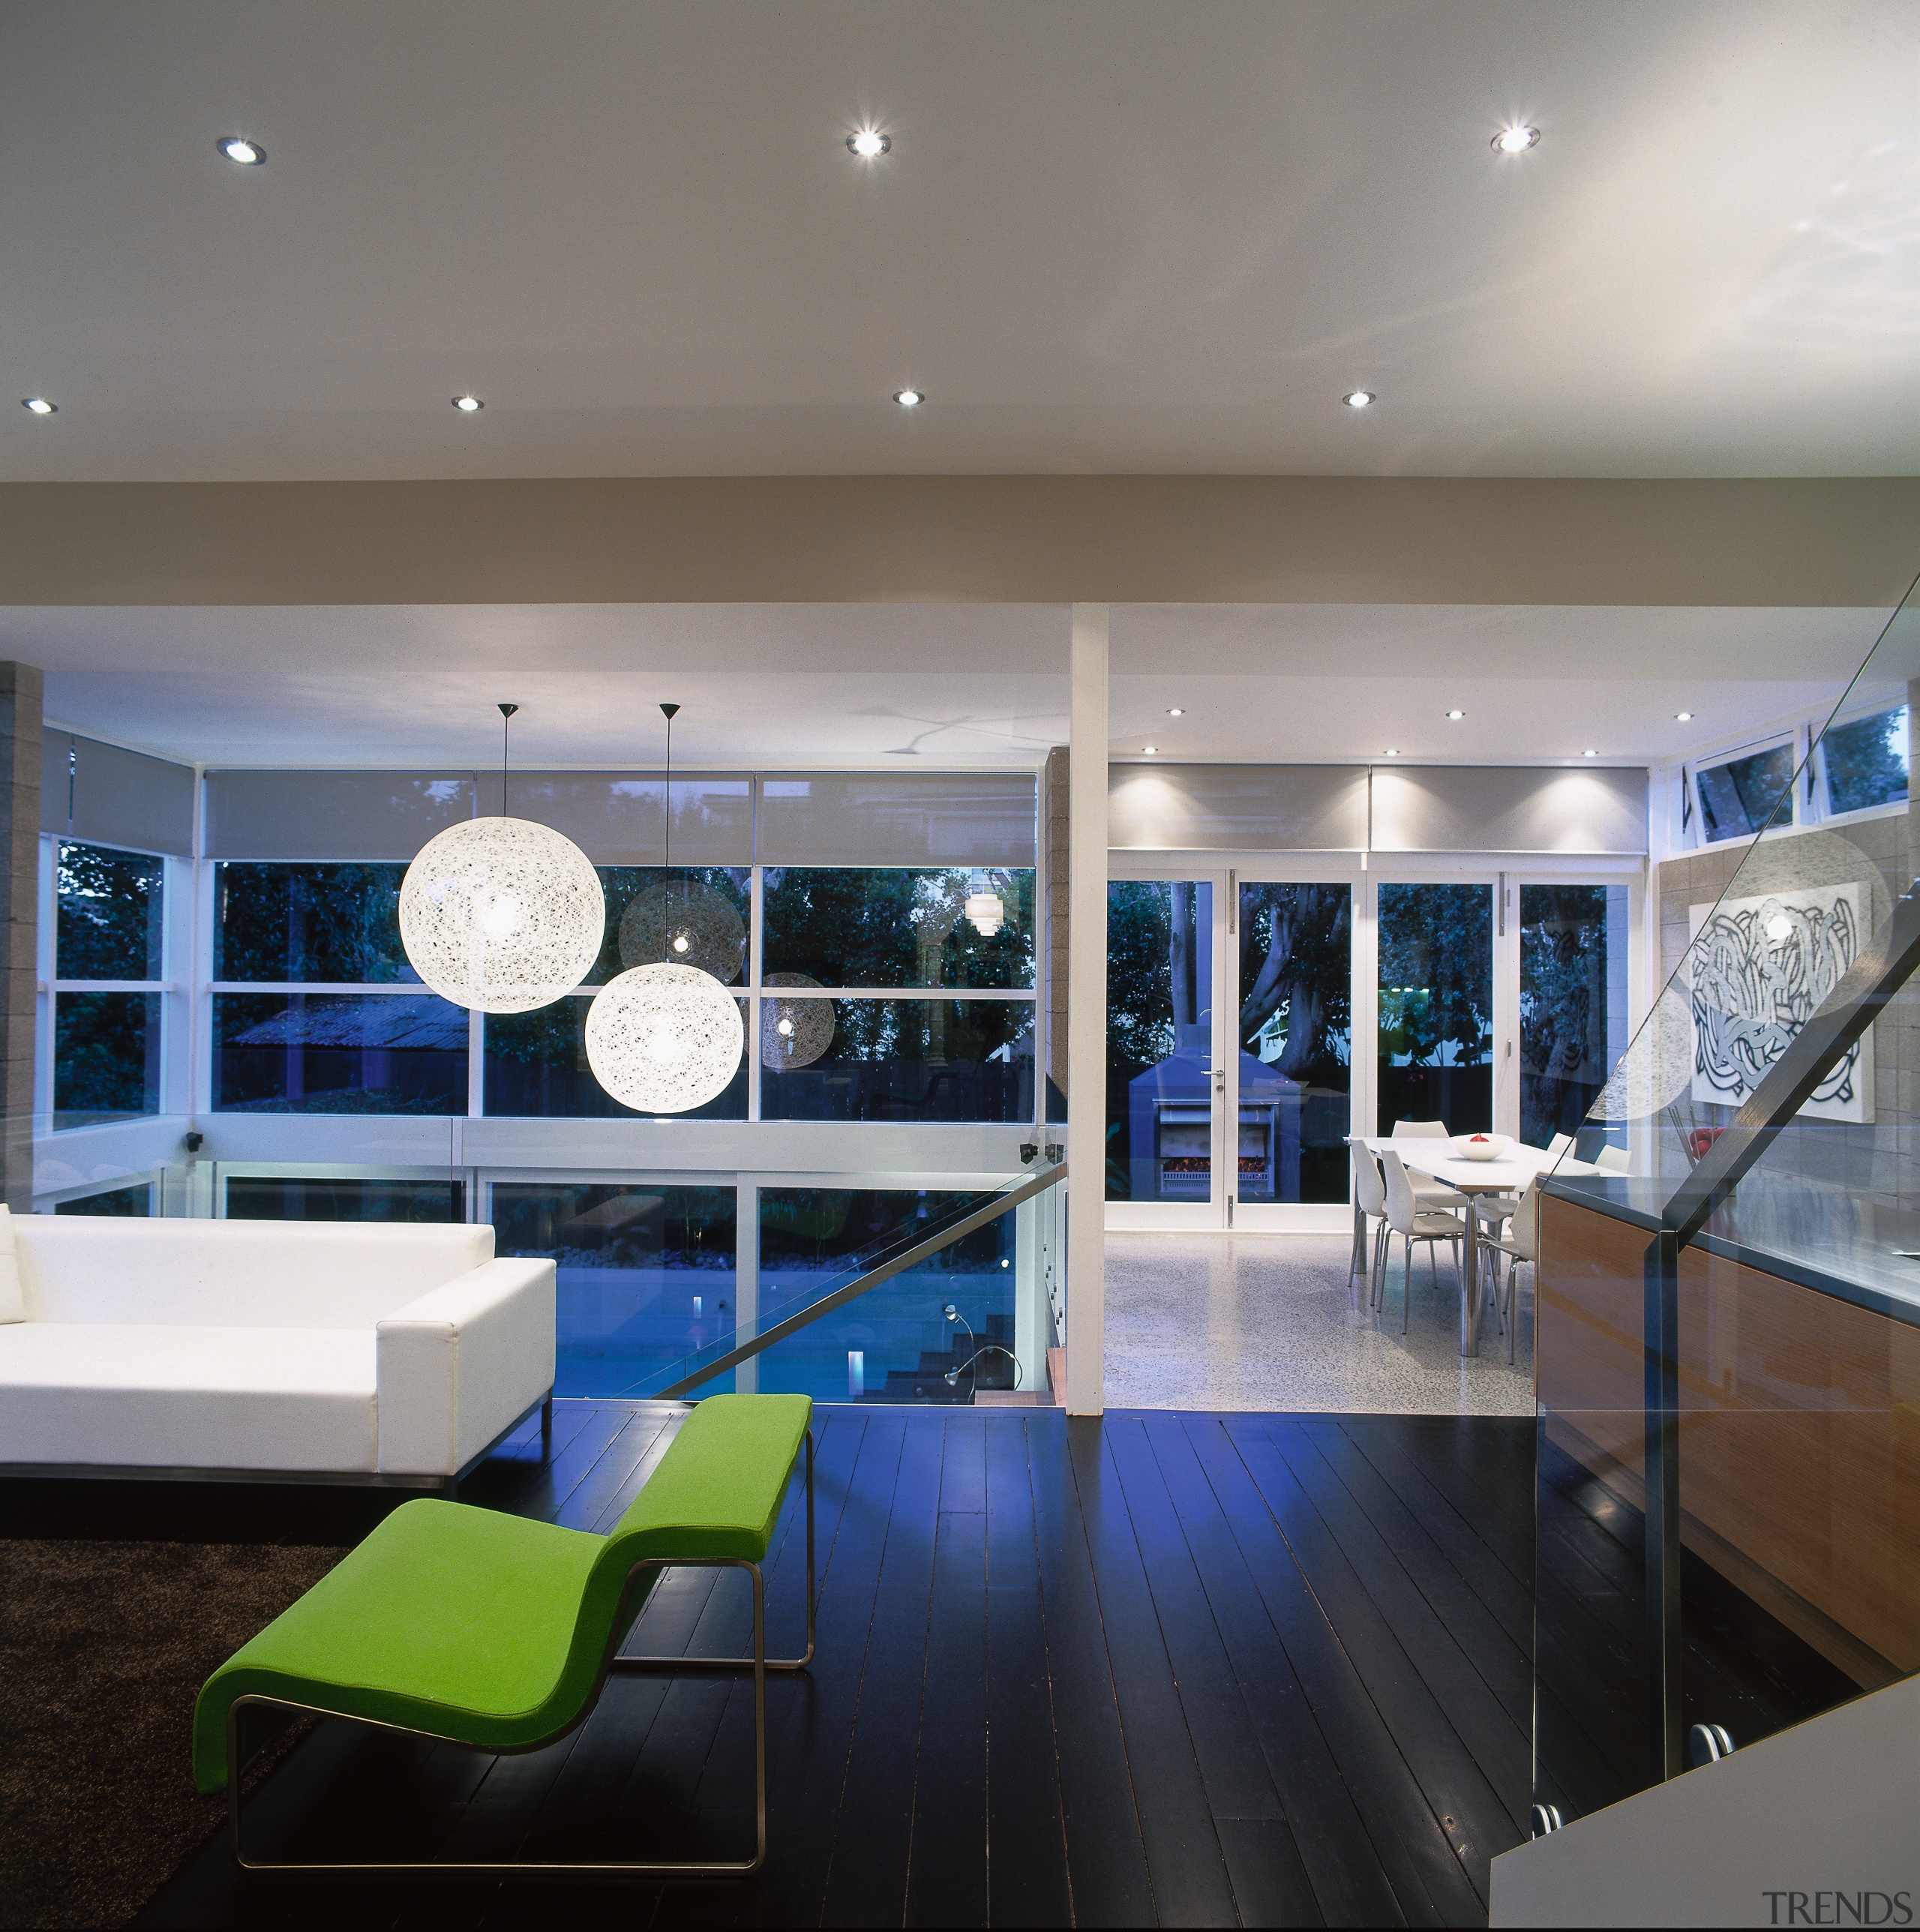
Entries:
{"x":1269,"y":1321}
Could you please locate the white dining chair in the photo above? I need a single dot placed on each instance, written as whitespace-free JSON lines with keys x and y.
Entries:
{"x":1412,"y":1221}
{"x":1614,"y":1159}
{"x":1369,"y":1198}
{"x":1558,"y":1145}
{"x":1434,"y":1195}
{"x":1520,"y":1244}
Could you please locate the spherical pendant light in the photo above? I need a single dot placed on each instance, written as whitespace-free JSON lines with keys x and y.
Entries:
{"x":662,"y":1039}
{"x":502,"y":915}
{"x":793,"y":1033}
{"x":688,"y":924}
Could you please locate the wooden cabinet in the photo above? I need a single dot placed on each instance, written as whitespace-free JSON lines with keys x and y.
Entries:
{"x":1799,"y":1430}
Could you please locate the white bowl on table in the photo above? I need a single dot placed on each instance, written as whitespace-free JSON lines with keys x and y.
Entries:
{"x":1481,"y":1146}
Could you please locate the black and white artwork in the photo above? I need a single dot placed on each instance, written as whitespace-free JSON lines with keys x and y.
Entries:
{"x":1759,"y":970}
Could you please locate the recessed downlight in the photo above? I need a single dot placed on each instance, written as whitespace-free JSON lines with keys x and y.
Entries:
{"x":1151,"y":751}
{"x":1174,"y":711}
{"x":909,"y":399}
{"x":241,"y":152}
{"x":1392,"y":752}
{"x":1589,"y":754}
{"x":1456,"y":715}
{"x":1683,"y":716}
{"x":1516,"y":140}
{"x":468,"y":405}
{"x":1359,"y":399}
{"x":39,"y":405}
{"x":868,"y":144}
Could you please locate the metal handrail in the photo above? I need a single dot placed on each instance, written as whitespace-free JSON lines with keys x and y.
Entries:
{"x":1034,"y":1184}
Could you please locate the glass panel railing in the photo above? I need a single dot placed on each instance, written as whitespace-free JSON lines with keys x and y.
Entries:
{"x":1729,"y":1333}
{"x":940,"y":1329}
{"x":888,"y":1294}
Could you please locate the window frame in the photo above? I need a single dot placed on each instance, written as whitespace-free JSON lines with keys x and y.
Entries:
{"x":1795,"y":740}
{"x":172,"y":1082}
{"x":750,"y":988}
{"x":1815,"y":803}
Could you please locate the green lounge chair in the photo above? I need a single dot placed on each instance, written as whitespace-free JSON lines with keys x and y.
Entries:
{"x":498,"y":1632}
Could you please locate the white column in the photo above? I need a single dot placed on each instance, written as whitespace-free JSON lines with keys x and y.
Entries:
{"x":746,"y":1270}
{"x":1087,"y":1018}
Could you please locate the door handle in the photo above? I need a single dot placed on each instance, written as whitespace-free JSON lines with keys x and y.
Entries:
{"x":1220,"y":1080}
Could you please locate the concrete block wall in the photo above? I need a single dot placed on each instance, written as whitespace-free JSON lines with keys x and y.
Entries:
{"x":20,"y":688}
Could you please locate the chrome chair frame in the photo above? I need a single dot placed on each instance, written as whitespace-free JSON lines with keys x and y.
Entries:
{"x":1388,"y":1231}
{"x":579,"y":1871}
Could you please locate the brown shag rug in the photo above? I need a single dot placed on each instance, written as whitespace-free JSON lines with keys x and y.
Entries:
{"x":104,"y":1646}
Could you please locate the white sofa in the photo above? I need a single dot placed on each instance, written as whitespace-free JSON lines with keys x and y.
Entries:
{"x":360,"y":1350}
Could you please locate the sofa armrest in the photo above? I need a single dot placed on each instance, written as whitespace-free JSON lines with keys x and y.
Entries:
{"x":458,"y":1364}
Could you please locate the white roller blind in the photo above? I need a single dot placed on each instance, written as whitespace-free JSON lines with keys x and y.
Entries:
{"x":1510,"y":808}
{"x":114,"y":797}
{"x":615,"y":817}
{"x":886,"y":818}
{"x":814,"y":818}
{"x":1237,"y":808}
{"x":332,"y":815}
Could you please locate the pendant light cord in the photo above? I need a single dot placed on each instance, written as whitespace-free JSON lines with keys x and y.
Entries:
{"x":506,"y":718}
{"x":666,"y":816}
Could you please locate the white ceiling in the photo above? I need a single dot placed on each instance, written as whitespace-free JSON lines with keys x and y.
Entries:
{"x":1112,"y":236}
{"x":769,"y":685}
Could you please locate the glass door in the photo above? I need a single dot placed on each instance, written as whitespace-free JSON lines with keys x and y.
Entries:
{"x":1573,"y":955}
{"x":1254,"y":1023}
{"x":1435,"y":1029}
{"x":1164,"y":1082}
{"x":1292,"y":1083}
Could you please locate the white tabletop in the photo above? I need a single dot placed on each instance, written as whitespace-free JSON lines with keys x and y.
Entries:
{"x":1518,"y":1164}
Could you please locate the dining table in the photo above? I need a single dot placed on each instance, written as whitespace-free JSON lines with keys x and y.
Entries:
{"x":1438,"y":1159}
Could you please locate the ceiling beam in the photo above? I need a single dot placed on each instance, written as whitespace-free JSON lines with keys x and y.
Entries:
{"x":1851,"y":541}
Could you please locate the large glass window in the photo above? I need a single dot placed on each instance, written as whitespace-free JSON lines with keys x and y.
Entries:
{"x":869,"y":927}
{"x":1296,"y":1041}
{"x":283,"y":1050}
{"x":646,"y":1274}
{"x":536,"y":1065}
{"x":1160,"y":1132}
{"x":895,"y":1059}
{"x":330,"y":1053}
{"x":336,"y":924}
{"x":316,"y":1008}
{"x":109,"y":922}
{"x":1436,"y":1006}
{"x":1573,"y":1003}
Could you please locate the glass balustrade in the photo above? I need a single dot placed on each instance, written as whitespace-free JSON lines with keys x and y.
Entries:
{"x":886,"y":1295}
{"x":1728,"y":1329}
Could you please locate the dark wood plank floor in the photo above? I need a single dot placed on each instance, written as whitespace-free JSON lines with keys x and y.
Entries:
{"x":1180,"y":1669}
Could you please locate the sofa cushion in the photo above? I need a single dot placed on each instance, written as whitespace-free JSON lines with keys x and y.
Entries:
{"x":173,"y":1397}
{"x":250,"y":1274}
{"x":12,"y":1307}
